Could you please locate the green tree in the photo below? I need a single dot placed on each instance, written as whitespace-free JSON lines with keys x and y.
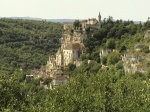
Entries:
{"x":110,"y":43}
{"x":113,"y":58}
{"x":76,"y":24}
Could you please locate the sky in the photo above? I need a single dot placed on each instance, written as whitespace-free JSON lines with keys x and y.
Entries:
{"x":137,"y":10}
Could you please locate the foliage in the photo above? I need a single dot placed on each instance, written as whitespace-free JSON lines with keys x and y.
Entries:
{"x":88,"y":66}
{"x":76,"y":24}
{"x":121,"y":35}
{"x":147,"y":25}
{"x":90,"y":88}
{"x":104,"y":60}
{"x":110,"y":43}
{"x":26,"y":44}
{"x":145,"y":49}
{"x":113,"y":58}
{"x":107,"y":90}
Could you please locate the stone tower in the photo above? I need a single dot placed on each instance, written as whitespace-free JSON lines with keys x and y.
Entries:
{"x":99,"y":19}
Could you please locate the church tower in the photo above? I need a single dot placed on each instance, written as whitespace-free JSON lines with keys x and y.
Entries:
{"x":99,"y":20}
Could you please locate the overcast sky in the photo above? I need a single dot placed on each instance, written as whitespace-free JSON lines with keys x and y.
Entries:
{"x":137,"y":10}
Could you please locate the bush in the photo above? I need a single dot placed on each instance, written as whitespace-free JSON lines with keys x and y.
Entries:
{"x":110,"y":43}
{"x":104,"y":60}
{"x":145,"y":49}
{"x":112,"y":58}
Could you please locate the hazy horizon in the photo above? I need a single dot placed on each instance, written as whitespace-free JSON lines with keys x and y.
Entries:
{"x":136,"y":10}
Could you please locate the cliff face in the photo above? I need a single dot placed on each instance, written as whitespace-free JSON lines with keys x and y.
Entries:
{"x":133,"y":63}
{"x":137,"y":60}
{"x":147,"y":34}
{"x":104,"y":52}
{"x":140,"y":59}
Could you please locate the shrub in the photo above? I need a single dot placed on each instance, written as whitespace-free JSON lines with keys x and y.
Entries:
{"x":112,"y":58}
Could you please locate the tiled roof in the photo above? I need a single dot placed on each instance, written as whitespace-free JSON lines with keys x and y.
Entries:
{"x":74,"y":46}
{"x":59,"y":77}
{"x":94,"y":19}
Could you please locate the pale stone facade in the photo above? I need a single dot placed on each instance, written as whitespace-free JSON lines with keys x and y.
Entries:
{"x":93,"y":23}
{"x":58,"y":80}
{"x":59,"y":57}
{"x":69,"y":52}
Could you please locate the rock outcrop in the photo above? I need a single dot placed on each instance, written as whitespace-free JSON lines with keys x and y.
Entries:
{"x":133,"y":63}
{"x":147,"y":34}
{"x":104,"y":52}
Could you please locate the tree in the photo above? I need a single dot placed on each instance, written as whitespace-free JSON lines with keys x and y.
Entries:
{"x":145,"y":49}
{"x":71,"y":66}
{"x":104,"y":60}
{"x":147,"y":25}
{"x":110,"y":43}
{"x":112,"y":58}
{"x":76,"y":24}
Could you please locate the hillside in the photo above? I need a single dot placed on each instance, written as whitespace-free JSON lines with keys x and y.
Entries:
{"x":26,"y":44}
{"x":102,"y":83}
{"x":47,"y":20}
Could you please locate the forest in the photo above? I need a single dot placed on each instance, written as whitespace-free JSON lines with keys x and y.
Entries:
{"x":26,"y":44}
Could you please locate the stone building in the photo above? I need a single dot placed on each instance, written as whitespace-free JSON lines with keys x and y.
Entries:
{"x":91,"y":22}
{"x":51,"y":67}
{"x":69,"y":52}
{"x":58,"y":80}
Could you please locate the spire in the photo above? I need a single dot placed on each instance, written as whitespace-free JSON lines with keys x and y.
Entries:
{"x":99,"y":17}
{"x":99,"y":20}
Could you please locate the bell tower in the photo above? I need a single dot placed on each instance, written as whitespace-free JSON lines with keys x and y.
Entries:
{"x":99,"y":20}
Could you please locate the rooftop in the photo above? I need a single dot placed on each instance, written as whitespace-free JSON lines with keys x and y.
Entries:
{"x":73,"y":46}
{"x":59,"y":77}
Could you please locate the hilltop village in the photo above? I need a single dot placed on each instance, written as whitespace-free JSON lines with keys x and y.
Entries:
{"x":86,"y":67}
{"x":71,"y":48}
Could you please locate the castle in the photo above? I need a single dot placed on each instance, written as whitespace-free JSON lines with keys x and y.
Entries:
{"x":90,"y":23}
